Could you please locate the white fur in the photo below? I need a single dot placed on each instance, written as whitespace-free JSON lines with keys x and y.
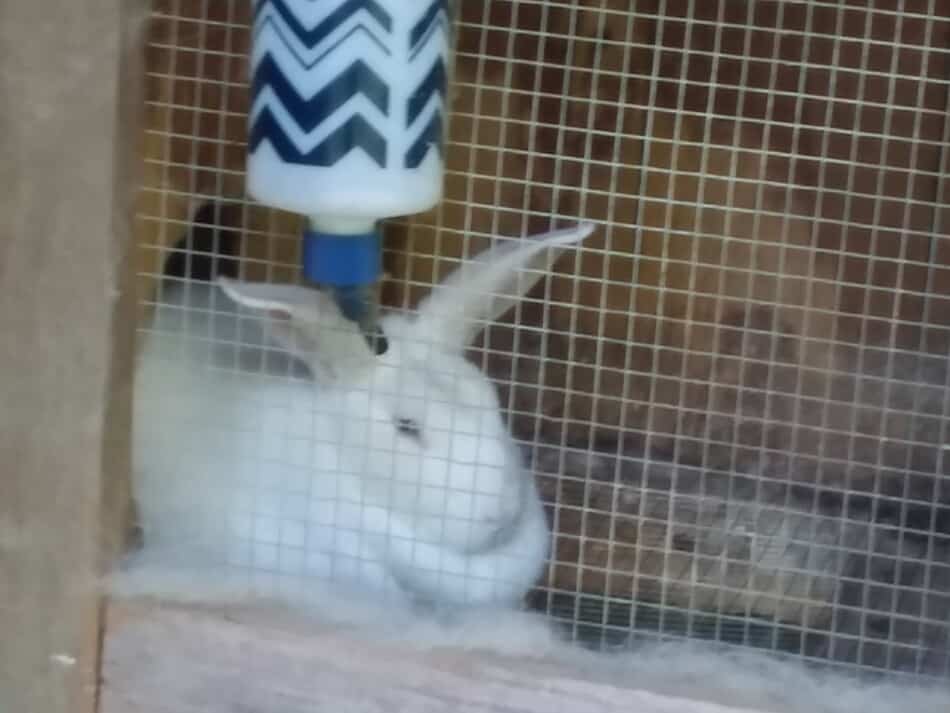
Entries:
{"x":244,"y":463}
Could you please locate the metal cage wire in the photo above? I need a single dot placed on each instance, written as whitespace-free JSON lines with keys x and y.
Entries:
{"x":735,"y":397}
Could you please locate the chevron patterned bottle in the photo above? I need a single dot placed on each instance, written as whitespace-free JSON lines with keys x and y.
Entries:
{"x":346,"y":123}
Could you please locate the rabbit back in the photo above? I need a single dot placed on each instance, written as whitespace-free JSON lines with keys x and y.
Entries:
{"x":212,"y":405}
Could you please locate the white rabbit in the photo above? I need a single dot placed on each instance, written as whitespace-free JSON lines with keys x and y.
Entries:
{"x":392,"y":472}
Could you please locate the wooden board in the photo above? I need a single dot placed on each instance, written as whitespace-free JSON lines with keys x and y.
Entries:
{"x":61,"y":257}
{"x":177,"y":659}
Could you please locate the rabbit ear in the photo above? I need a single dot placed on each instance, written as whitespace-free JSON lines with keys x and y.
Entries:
{"x":483,"y":289}
{"x":307,"y":323}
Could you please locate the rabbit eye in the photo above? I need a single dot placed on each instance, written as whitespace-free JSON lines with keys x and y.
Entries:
{"x":408,"y":427}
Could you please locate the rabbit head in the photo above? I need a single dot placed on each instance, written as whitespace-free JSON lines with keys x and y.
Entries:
{"x":421,"y":425}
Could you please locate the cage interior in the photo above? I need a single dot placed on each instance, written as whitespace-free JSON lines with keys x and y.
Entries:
{"x":734,"y":395}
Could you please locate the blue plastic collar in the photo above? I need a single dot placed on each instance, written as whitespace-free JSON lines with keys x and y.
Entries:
{"x":341,"y":260}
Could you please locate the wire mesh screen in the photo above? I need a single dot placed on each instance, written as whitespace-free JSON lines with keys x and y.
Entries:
{"x":735,"y":395}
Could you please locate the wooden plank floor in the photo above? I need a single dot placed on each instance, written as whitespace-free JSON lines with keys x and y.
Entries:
{"x":182,"y":659}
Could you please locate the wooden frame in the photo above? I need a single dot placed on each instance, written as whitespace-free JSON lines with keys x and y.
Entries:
{"x":66,"y":167}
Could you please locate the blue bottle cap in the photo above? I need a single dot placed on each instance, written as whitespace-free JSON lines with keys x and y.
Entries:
{"x":342,"y":260}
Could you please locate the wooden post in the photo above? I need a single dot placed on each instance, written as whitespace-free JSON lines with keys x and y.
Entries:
{"x":62,"y":262}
